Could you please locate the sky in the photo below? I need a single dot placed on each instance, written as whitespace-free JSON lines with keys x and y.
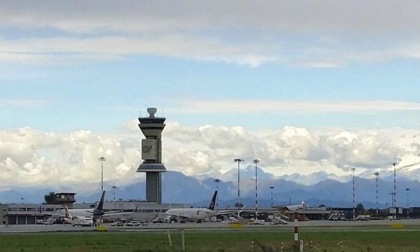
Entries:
{"x":304,"y":86}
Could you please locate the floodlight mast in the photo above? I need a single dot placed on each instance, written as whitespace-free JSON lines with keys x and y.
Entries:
{"x":114,"y":187}
{"x":256,"y":161}
{"x":354,"y":211}
{"x":238,"y":160}
{"x":377,"y":192}
{"x":238,"y":205}
{"x":102,"y":159}
{"x":408,"y":202}
{"x":271,"y":187}
{"x":394,"y":199}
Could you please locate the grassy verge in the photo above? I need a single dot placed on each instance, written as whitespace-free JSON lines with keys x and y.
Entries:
{"x":233,"y":240}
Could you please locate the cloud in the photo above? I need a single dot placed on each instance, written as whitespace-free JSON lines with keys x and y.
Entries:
{"x":18,"y":102}
{"x":259,"y":106}
{"x":31,"y":157}
{"x":65,"y":50}
{"x":369,"y":18}
{"x":36,"y":158}
{"x":296,"y":33}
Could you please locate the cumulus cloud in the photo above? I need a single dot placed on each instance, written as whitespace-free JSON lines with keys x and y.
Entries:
{"x":311,"y":34}
{"x":32,"y":157}
{"x":35,"y":158}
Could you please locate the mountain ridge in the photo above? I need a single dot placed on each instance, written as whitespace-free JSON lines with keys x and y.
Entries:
{"x":180,"y":188}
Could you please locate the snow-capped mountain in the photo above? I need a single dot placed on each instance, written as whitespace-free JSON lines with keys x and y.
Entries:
{"x":179,"y":188}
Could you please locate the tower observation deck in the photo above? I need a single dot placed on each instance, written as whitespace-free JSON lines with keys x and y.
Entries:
{"x":151,"y":150}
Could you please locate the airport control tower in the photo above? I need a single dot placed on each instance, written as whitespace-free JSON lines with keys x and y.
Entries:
{"x":151,"y":150}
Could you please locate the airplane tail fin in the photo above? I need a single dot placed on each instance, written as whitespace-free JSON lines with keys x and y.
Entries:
{"x":100,"y":205}
{"x":66,"y":212}
{"x":213,"y":201}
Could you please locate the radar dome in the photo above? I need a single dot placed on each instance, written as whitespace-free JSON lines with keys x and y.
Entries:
{"x":152,"y":112}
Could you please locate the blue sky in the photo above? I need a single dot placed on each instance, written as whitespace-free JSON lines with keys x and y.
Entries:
{"x":74,"y":62}
{"x":103,"y":95}
{"x":237,"y":70}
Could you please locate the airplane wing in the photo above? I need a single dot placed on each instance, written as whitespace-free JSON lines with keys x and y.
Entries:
{"x":293,"y":207}
{"x":59,"y":214}
{"x":56,"y":215}
{"x":230,"y":211}
{"x":115,"y":213}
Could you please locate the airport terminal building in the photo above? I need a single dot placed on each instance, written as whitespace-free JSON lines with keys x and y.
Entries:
{"x":26,"y":214}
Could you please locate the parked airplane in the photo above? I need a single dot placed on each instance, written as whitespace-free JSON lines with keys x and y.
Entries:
{"x":93,"y":213}
{"x":294,"y":208}
{"x":82,"y":216}
{"x":198,"y":214}
{"x":77,"y":220}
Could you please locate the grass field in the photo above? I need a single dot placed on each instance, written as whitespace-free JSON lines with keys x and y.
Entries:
{"x":231,"y":240}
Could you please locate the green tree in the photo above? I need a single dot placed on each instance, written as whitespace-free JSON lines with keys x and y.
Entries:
{"x":360,"y":209}
{"x":50,"y":198}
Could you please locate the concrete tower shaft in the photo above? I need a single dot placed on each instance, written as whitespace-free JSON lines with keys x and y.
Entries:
{"x":151,"y":149}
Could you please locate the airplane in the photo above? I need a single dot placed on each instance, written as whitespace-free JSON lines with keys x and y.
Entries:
{"x":198,"y":214}
{"x":293,"y":208}
{"x":91,"y":213}
{"x":77,"y":220}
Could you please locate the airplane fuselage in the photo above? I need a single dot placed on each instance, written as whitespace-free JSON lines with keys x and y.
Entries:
{"x":193,"y":214}
{"x":77,"y":212}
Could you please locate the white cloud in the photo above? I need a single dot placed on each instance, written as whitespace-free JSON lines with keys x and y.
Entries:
{"x":22,"y":102}
{"x":311,"y":34}
{"x":67,"y":50}
{"x":258,"y":106}
{"x":36,"y":158}
{"x":368,"y":18}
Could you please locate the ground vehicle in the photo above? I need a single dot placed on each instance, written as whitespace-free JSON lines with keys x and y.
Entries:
{"x":45,"y":222}
{"x":159,"y":220}
{"x":133,"y":223}
{"x":117,"y":223}
{"x":363,"y":218}
{"x":83,"y":222}
{"x":258,"y":222}
{"x":278,"y":220}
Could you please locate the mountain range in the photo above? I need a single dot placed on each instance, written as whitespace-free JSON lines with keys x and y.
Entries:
{"x":315,"y":189}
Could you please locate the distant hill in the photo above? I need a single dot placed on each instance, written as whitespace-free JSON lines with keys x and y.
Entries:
{"x":179,"y":188}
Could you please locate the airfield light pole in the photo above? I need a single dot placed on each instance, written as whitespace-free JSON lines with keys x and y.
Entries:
{"x":394,"y":195}
{"x":238,"y":160}
{"x":394,"y":198}
{"x":102,"y":159}
{"x":354,"y":212}
{"x":114,"y":187}
{"x":408,"y":202}
{"x":271,"y":188}
{"x":256,"y":161}
{"x":377,"y":204}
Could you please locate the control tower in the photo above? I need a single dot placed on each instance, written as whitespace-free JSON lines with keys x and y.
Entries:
{"x":151,"y":150}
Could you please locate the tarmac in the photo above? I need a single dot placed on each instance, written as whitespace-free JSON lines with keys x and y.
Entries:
{"x":411,"y":224}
